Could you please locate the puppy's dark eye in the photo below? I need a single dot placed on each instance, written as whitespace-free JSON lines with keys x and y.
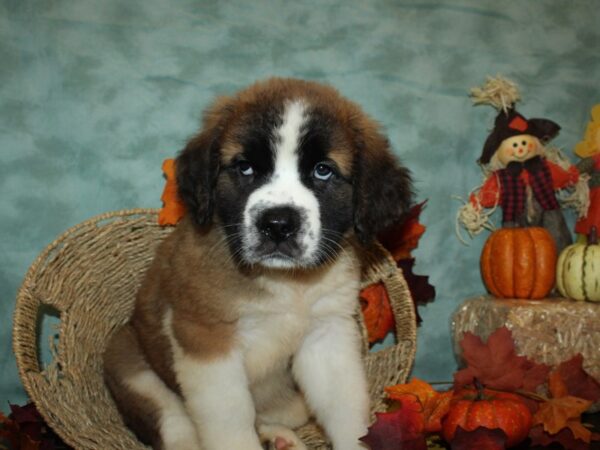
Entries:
{"x":322,"y":172}
{"x":245,"y":168}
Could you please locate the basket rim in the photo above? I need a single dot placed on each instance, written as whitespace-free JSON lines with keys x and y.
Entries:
{"x":20,"y":318}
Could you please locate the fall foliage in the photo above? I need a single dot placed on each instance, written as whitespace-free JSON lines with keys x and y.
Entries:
{"x":377,"y":311}
{"x":496,"y":371}
{"x":25,"y":429}
{"x":173,"y":209}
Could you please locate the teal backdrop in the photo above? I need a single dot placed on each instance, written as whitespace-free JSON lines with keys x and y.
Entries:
{"x":95,"y":94}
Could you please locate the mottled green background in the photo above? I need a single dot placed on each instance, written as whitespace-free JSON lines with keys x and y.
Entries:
{"x":95,"y":94}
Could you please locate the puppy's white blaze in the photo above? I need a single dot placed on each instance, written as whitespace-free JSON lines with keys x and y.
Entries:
{"x":217,"y":397}
{"x":176,"y":428}
{"x":285,"y":188}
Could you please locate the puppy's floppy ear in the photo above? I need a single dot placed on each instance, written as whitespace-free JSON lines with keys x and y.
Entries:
{"x":198,"y":164}
{"x":382,"y":186}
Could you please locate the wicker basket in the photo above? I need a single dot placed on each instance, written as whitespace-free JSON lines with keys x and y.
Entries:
{"x":90,"y":275}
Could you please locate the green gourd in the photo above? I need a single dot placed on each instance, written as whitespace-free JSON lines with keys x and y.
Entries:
{"x":578,"y":270}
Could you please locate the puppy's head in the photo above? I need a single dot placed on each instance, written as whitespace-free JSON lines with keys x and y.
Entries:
{"x":290,"y":168}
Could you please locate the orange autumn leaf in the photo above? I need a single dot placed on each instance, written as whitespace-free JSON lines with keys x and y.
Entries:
{"x":556,"y":385}
{"x":558,"y":413}
{"x":419,"y":388}
{"x":562,"y":410}
{"x":377,"y":311}
{"x":173,"y":209}
{"x":435,"y":404}
{"x":579,"y":430}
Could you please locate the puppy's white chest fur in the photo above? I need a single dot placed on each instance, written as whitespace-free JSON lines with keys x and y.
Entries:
{"x":272,"y":328}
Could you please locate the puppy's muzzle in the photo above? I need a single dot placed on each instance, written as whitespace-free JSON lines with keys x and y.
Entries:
{"x":279,"y":224}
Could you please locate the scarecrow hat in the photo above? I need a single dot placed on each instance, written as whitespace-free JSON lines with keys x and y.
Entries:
{"x":503,"y":94}
{"x":511,"y":123}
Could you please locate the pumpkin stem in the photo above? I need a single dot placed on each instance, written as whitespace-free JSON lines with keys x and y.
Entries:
{"x":479,"y":388}
{"x":593,"y":236}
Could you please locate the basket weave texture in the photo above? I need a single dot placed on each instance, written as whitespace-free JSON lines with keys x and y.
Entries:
{"x":90,"y":275}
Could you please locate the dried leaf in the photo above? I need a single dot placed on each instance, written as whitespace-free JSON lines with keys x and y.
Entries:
{"x":496,"y":365}
{"x":26,"y":429}
{"x":479,"y":439}
{"x":9,"y":431}
{"x":556,"y":385}
{"x":377,"y":311}
{"x":577,"y":381}
{"x":173,"y":208}
{"x":565,"y":438}
{"x":401,"y":429}
{"x":421,"y":291}
{"x":435,"y":405}
{"x":402,"y":238}
{"x":557,"y":413}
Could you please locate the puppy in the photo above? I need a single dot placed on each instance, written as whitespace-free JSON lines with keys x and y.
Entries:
{"x":244,"y":324}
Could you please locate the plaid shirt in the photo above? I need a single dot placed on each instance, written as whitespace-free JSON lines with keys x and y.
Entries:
{"x":513,"y":187}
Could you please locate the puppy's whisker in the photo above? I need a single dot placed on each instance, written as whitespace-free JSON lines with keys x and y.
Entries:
{"x":337,"y":244}
{"x":221,"y":246}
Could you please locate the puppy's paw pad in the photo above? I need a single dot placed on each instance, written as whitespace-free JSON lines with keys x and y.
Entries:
{"x":281,"y":438}
{"x":282,"y":444}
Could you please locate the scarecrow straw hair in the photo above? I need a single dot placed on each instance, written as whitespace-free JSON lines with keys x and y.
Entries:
{"x":497,"y":91}
{"x":473,"y":218}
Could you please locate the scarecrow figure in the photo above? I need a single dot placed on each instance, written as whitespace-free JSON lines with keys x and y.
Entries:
{"x":520,"y":178}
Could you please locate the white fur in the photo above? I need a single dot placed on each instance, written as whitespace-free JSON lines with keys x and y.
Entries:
{"x":176,"y":429}
{"x":329,"y":371}
{"x":285,"y":188}
{"x":217,"y":397}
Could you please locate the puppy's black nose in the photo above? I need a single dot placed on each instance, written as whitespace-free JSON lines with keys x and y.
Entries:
{"x":279,"y":224}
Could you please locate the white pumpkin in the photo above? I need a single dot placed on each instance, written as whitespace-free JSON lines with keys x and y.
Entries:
{"x":578,"y":270}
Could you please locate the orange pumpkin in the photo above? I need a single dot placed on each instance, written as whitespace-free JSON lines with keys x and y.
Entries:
{"x":471,"y":409}
{"x":519,"y":263}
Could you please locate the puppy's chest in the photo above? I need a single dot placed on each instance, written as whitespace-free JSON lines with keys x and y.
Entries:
{"x":271,"y":330}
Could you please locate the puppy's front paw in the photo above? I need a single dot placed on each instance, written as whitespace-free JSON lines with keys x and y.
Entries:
{"x":280,"y":438}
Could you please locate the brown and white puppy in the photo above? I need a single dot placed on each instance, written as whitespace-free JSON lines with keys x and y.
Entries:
{"x":243,"y":327}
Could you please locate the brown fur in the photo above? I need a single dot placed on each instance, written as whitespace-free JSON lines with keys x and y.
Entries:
{"x":140,"y":413}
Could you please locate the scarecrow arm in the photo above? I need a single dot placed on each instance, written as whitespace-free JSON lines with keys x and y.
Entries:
{"x":562,"y":178}
{"x":489,"y":193}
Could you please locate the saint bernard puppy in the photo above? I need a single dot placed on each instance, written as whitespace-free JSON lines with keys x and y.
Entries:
{"x":244,"y":325}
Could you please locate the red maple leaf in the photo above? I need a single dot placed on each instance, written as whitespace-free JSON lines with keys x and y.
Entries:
{"x":481,"y":438}
{"x":25,"y":429}
{"x":400,"y":429}
{"x":565,"y":438}
{"x":400,"y":239}
{"x":577,"y":381}
{"x":496,"y":365}
{"x":421,"y":291}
